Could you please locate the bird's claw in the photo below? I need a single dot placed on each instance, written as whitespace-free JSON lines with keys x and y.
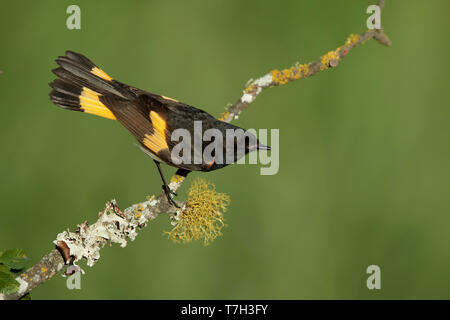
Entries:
{"x":169,"y":194}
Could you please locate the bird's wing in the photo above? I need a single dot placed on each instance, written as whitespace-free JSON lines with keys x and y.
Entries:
{"x":146,"y":122}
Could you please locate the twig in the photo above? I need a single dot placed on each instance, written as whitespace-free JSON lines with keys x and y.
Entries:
{"x":300,"y":71}
{"x":51,"y":264}
{"x":115,"y":226}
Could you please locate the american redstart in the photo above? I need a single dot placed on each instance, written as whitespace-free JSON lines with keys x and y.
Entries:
{"x":151,"y":118}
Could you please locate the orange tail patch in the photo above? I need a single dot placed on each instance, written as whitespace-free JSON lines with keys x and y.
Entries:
{"x":100,"y":73}
{"x":90,"y":103}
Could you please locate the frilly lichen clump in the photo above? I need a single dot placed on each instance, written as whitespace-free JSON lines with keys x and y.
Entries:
{"x":203,"y":217}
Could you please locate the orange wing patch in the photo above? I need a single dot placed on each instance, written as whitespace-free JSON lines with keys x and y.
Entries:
{"x":90,"y":103}
{"x":100,"y":73}
{"x":156,"y":142}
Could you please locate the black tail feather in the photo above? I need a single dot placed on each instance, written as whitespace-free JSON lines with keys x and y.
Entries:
{"x":78,"y":66}
{"x":68,"y":77}
{"x":80,"y":83}
{"x":65,"y":101}
{"x":65,"y":87}
{"x":82,"y":60}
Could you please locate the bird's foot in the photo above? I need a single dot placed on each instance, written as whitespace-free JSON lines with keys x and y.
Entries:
{"x":169,"y":194}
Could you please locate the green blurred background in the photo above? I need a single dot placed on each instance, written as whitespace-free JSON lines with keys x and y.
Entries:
{"x":364,"y":148}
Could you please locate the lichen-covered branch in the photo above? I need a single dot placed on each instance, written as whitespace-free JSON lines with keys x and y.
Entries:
{"x":301,"y":71}
{"x":51,"y":264}
{"x":112,"y":226}
{"x":116,"y":226}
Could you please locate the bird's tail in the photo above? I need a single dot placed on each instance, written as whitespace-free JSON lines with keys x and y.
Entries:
{"x":81,"y":84}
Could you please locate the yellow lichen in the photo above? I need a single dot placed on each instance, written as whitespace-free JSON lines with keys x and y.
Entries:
{"x":352,"y":39}
{"x":277,"y":77}
{"x":44,"y":269}
{"x":176,"y":178}
{"x":224,"y":116}
{"x":293,"y":73}
{"x":203,"y":217}
{"x":327,"y":58}
{"x":303,"y":68}
{"x":250,"y":88}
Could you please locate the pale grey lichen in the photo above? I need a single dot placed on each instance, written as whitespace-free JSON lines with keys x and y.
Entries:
{"x":264,"y":81}
{"x":174,"y":185}
{"x":175,"y":217}
{"x":247,"y":98}
{"x":112,"y":226}
{"x":23,"y":286}
{"x":254,"y":88}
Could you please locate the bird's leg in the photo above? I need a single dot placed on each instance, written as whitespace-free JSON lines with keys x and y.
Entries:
{"x":165,"y":187}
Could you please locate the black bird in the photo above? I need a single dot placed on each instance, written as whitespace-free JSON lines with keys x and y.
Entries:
{"x":151,"y":118}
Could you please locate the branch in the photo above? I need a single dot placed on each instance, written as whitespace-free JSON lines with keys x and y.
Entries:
{"x":301,"y":71}
{"x":115,"y":226}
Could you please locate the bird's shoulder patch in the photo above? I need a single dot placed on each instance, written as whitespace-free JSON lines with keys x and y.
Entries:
{"x":157,"y":140}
